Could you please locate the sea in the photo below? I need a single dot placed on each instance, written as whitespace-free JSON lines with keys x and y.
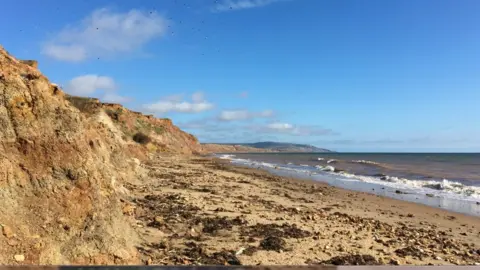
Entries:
{"x":445,"y":180}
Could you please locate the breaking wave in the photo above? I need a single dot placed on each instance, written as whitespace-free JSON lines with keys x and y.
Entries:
{"x":441,"y":188}
{"x":365,"y":162}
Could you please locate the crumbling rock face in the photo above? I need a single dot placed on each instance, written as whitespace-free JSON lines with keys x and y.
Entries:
{"x":166,"y":137}
{"x":60,"y":176}
{"x":32,"y":63}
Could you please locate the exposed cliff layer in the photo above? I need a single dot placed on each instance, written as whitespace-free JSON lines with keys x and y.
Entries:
{"x":61,"y":176}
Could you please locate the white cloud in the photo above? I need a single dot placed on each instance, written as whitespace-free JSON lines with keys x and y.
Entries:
{"x":280,"y":126}
{"x":90,"y":85}
{"x":230,"y":5}
{"x":235,"y":115}
{"x":105,"y":32}
{"x":175,"y":104}
{"x":290,"y":129}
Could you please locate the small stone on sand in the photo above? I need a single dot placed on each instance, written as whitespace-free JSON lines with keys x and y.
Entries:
{"x":19,"y":257}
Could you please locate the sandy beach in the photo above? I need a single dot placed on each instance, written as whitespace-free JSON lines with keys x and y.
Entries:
{"x":196,"y":210}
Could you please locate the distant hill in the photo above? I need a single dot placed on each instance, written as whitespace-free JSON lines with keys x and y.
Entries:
{"x":262,"y":147}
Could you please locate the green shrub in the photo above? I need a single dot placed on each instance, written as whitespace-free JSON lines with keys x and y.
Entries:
{"x":141,"y":138}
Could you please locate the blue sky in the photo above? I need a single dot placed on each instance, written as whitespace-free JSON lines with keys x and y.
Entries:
{"x":369,"y":75}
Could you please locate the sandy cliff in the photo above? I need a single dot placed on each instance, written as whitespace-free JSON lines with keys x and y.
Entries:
{"x":62,"y":170}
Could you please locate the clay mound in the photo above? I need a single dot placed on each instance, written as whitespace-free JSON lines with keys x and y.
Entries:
{"x":60,"y":176}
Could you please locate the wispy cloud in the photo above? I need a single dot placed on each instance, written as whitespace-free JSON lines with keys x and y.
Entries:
{"x":236,"y":115}
{"x":231,"y":5}
{"x":92,"y":85}
{"x":291,"y":129}
{"x":176,"y":103}
{"x":88,"y":84}
{"x":105,"y":32}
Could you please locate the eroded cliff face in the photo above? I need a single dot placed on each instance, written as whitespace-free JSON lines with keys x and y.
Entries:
{"x":164,"y":135}
{"x":61,"y":176}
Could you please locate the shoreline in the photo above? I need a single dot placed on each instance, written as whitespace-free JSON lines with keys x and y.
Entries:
{"x":374,"y":196}
{"x":429,"y":198}
{"x":198,"y":210}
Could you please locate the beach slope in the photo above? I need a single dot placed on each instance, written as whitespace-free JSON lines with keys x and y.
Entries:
{"x":204,"y":211}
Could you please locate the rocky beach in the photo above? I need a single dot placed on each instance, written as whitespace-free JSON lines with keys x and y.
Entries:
{"x":193,"y":210}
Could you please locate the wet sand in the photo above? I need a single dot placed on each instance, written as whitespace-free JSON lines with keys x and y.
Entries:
{"x":192,"y":210}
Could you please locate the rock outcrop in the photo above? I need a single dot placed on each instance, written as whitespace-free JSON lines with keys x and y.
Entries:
{"x":62,"y":166}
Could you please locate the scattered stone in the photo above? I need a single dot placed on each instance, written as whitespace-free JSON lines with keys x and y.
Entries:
{"x":410,"y":251}
{"x":240,"y":251}
{"x":7,"y":231}
{"x":19,"y":257}
{"x":159,"y":220}
{"x":400,"y":192}
{"x":12,"y":242}
{"x":394,"y":262}
{"x":250,"y":250}
{"x":430,"y":195}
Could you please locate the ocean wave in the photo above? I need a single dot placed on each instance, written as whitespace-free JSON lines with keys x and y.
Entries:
{"x":321,"y":159}
{"x":441,"y":188}
{"x":225,"y":156}
{"x":332,"y":161}
{"x":365,"y":162}
{"x":327,"y":168}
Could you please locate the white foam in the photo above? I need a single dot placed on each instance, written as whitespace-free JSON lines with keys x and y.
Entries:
{"x":226,"y":156}
{"x":321,"y":159}
{"x":327,"y":168}
{"x":365,"y":162}
{"x":444,"y":188}
{"x":331,"y":161}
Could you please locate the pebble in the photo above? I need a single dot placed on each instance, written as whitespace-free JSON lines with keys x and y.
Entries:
{"x":159,"y":219}
{"x":395,"y":262}
{"x":240,"y":251}
{"x":19,"y":257}
{"x":7,"y":231}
